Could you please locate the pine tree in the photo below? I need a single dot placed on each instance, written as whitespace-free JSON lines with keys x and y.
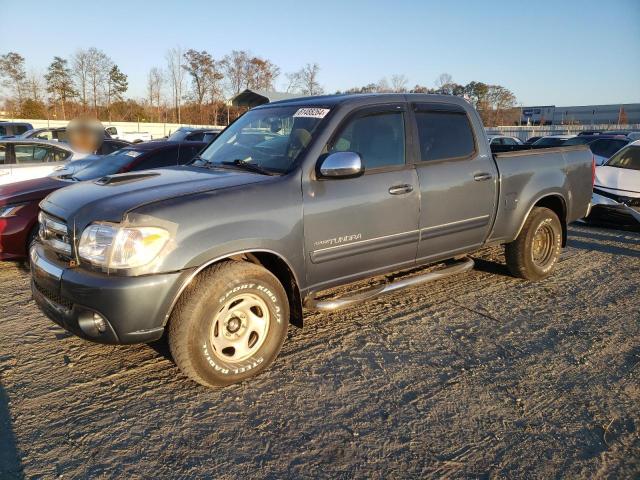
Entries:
{"x":60,"y":83}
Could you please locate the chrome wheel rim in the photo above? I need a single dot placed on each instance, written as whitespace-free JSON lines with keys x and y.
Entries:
{"x":240,"y":328}
{"x":543,"y":245}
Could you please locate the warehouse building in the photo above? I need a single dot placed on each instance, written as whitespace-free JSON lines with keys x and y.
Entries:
{"x":626,"y":113}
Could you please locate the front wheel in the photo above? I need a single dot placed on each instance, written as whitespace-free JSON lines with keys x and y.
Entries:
{"x":537,"y":249}
{"x":230,"y":325}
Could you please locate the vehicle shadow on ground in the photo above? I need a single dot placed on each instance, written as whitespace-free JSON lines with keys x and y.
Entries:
{"x":599,"y":247}
{"x":494,"y":268}
{"x":10,"y":464}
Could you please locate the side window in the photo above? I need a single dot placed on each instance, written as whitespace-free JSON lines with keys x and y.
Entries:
{"x":164,"y":158}
{"x":497,"y":141}
{"x":209,"y":137}
{"x":111,"y":130}
{"x":29,"y":154}
{"x":20,"y":129}
{"x":195,"y":137}
{"x":3,"y":154}
{"x":444,"y":135}
{"x":58,"y":155}
{"x":3,"y":130}
{"x":187,"y":153}
{"x":378,"y":138}
{"x":509,"y":141}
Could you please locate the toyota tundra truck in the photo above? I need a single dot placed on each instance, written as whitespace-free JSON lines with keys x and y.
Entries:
{"x":290,"y":201}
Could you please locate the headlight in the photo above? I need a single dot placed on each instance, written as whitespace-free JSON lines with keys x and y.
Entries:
{"x":9,"y":210}
{"x":113,"y":246}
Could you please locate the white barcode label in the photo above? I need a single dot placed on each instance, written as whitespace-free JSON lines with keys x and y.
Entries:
{"x":311,"y":112}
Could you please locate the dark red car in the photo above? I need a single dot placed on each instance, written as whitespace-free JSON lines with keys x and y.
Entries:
{"x":19,"y":201}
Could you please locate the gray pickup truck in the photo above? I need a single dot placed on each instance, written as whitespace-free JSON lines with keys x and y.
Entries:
{"x":295,"y":198}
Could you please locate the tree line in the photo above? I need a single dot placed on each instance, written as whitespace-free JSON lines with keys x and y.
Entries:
{"x":192,"y":87}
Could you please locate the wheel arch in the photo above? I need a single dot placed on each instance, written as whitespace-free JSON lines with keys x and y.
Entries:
{"x":270,"y":260}
{"x":557,"y":204}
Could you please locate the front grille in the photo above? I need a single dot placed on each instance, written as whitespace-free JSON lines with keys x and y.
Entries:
{"x":53,"y":296}
{"x":55,"y":233}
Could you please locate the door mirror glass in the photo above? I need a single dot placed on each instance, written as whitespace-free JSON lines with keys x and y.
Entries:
{"x":341,"y":165}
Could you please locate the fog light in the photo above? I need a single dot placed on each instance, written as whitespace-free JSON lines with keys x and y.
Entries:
{"x":99,"y":323}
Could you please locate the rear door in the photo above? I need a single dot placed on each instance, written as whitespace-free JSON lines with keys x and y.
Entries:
{"x":458,"y":181}
{"x":5,"y":164}
{"x":357,"y":226}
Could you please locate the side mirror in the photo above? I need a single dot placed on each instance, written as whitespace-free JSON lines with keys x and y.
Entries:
{"x":341,"y":165}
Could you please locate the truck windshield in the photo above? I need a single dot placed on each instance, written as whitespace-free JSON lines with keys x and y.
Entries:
{"x":266,"y":139}
{"x":626,"y":158}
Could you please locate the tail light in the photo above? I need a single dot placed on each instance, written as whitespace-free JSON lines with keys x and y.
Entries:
{"x":593,"y":171}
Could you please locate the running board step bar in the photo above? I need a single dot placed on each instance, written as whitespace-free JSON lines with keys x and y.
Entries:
{"x":341,"y":302}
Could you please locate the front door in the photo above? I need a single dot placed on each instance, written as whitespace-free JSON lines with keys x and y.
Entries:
{"x":458,"y":181}
{"x":358,"y":226}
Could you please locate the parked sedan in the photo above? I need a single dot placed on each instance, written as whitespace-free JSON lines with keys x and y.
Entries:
{"x":616,"y":191}
{"x":19,"y":201}
{"x":602,"y":146}
{"x":56,"y":133}
{"x":29,"y":158}
{"x":504,"y":140}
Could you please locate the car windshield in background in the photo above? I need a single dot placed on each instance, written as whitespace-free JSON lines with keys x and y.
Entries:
{"x":549,"y":142}
{"x":107,"y":165}
{"x":576,"y":141}
{"x":626,"y":158}
{"x":267,"y":139}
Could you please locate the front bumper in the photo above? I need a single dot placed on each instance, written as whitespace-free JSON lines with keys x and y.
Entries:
{"x":134,"y":309}
{"x":605,"y":208}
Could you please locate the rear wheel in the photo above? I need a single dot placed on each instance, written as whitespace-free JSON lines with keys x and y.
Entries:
{"x":230,"y":325}
{"x":537,"y":249}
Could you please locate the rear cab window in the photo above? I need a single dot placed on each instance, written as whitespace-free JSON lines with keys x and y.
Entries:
{"x":444,"y":132}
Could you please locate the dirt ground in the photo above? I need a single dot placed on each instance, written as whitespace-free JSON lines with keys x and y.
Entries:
{"x":477,"y":376}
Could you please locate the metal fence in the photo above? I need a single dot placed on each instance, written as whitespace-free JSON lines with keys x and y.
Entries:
{"x":525,"y":131}
{"x":157,"y":130}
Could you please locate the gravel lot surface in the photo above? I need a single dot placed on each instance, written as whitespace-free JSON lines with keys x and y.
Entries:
{"x":476,"y":376}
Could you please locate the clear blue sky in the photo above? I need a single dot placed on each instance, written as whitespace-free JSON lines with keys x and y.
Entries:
{"x":546,"y":52}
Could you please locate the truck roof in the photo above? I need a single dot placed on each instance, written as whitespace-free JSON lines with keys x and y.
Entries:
{"x":366,"y":98}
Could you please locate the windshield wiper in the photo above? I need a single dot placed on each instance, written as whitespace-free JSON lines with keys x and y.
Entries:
{"x":252,"y":167}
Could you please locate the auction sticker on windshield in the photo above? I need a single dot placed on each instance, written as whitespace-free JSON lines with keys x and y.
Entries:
{"x":311,"y":112}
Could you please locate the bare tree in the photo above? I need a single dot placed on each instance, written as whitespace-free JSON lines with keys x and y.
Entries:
{"x":80,"y":71}
{"x":205,"y":77}
{"x":12,"y":75}
{"x":305,"y":80}
{"x":98,"y":68}
{"x":399,"y":83}
{"x":235,"y":68}
{"x":35,"y":86}
{"x":383,"y":86}
{"x":155,"y":81}
{"x":175,"y":70}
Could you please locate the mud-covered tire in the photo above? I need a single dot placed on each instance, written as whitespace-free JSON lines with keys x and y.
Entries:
{"x":228,"y":294}
{"x":537,"y":249}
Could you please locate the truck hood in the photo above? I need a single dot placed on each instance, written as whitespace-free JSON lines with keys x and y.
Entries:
{"x":110,"y":198}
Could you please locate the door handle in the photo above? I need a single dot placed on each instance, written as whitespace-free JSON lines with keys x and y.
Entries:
{"x":400,"y":189}
{"x":479,"y":177}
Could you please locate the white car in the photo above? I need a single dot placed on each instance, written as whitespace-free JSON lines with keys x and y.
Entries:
{"x":133,"y":137}
{"x":616,"y":190}
{"x":503,"y":140}
{"x":28,"y":159}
